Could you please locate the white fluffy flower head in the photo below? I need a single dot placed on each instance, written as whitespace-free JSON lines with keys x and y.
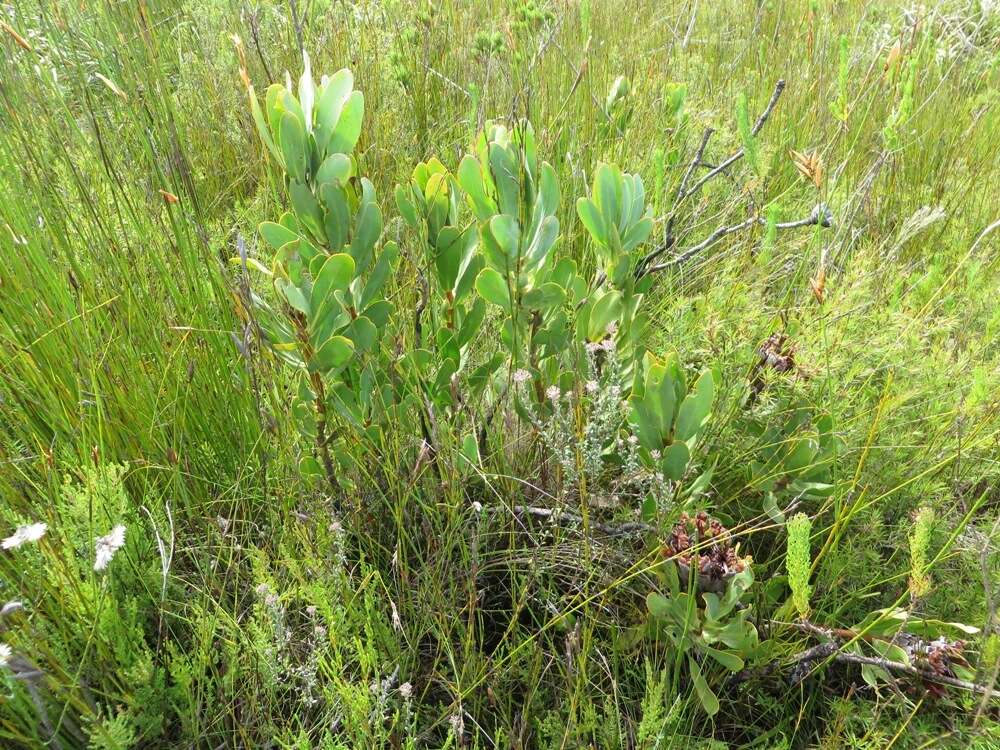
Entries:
{"x":31,"y":532}
{"x":106,"y":546}
{"x":5,"y":654}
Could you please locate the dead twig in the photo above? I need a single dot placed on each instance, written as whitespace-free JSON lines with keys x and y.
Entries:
{"x":761,"y":121}
{"x":832,"y":650}
{"x":820,"y":215}
{"x":557,"y":515}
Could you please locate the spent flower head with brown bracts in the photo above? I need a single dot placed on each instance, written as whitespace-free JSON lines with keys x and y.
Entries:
{"x":705,"y":541}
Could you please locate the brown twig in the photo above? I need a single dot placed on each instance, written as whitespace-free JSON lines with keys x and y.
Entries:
{"x":255,"y":35}
{"x":668,"y":231}
{"x":761,"y":121}
{"x":820,"y":215}
{"x":831,"y":650}
{"x":557,"y":515}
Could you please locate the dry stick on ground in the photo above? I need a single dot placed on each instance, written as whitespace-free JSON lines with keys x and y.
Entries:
{"x":831,"y":650}
{"x":557,"y":515}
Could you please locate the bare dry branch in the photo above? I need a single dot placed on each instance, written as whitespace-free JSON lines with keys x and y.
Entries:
{"x":761,"y":121}
{"x":820,"y":215}
{"x":831,"y":650}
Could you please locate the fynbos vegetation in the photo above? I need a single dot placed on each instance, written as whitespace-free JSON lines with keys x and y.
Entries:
{"x":554,"y":375}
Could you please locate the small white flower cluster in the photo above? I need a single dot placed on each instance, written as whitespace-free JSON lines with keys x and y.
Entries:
{"x":604,"y":411}
{"x":638,"y":479}
{"x":105,"y":546}
{"x":558,"y":432}
{"x":31,"y":532}
{"x":457,"y":722}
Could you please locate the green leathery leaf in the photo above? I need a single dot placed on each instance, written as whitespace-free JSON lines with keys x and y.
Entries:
{"x":345,"y":135}
{"x":696,"y":407}
{"x":638,"y":200}
{"x":658,"y":605}
{"x":292,"y":294}
{"x":274,"y":108}
{"x":469,"y":451}
{"x":288,"y":261}
{"x":637,"y":234}
{"x":472,"y":322}
{"x":330,"y":104}
{"x":276,"y":235}
{"x":336,"y":273}
{"x":294,"y":147}
{"x":379,"y":312}
{"x":543,"y":241}
{"x":606,"y":310}
{"x":307,"y":210}
{"x":505,"y":232}
{"x":335,"y":352}
{"x":728,"y":659}
{"x":469,"y":272}
{"x":675,"y":460}
{"x":363,"y":333}
{"x":661,"y":395}
{"x":310,"y":468}
{"x":262,"y":127}
{"x":383,"y":267}
{"x":563,"y":273}
{"x":607,"y":190}
{"x":649,"y":508}
{"x":708,"y":699}
{"x":590,"y":215}
{"x":336,"y":167}
{"x":548,"y":189}
{"x":405,"y":206}
{"x":470,"y":178}
{"x":546,"y":296}
{"x":336,"y":220}
{"x":645,"y":424}
{"x":367,"y":230}
{"x":451,"y":245}
{"x":493,"y":288}
{"x":504,"y":171}
{"x":253,"y":263}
